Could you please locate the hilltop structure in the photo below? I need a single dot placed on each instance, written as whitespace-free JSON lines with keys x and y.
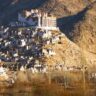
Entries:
{"x":36,"y":19}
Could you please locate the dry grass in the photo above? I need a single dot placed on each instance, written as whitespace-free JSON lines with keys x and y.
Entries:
{"x":39,"y":86}
{"x":42,"y":89}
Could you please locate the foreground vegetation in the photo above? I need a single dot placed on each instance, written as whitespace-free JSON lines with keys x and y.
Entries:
{"x":40,"y":85}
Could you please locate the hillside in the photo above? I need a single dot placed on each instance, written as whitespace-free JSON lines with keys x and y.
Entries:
{"x":76,"y":20}
{"x":62,"y":8}
{"x":84,"y":33}
{"x":66,"y":52}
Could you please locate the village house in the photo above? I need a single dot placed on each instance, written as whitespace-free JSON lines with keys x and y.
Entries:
{"x":48,"y":52}
{"x":22,"y":69}
{"x":3,"y":74}
{"x":55,"y":39}
{"x":44,"y":34}
{"x":23,"y":43}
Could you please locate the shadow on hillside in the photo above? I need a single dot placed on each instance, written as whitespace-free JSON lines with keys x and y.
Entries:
{"x":66,"y":24}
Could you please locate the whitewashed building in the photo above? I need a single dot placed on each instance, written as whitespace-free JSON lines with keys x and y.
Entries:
{"x":36,"y":19}
{"x":3,"y":73}
{"x":48,"y":52}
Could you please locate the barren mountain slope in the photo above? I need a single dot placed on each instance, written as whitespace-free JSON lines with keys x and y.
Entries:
{"x":84,"y":33}
{"x":66,"y":53}
{"x":78,"y":23}
{"x":69,"y":54}
{"x":65,"y":7}
{"x":80,"y":26}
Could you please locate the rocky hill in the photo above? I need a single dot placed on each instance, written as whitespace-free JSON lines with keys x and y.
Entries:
{"x":66,"y":53}
{"x":84,"y":33}
{"x":76,"y":19}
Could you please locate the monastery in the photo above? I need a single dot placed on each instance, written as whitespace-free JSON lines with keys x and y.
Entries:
{"x":36,"y":19}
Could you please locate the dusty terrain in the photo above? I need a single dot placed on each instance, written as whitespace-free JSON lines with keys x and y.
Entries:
{"x":77,"y":23}
{"x":75,"y":18}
